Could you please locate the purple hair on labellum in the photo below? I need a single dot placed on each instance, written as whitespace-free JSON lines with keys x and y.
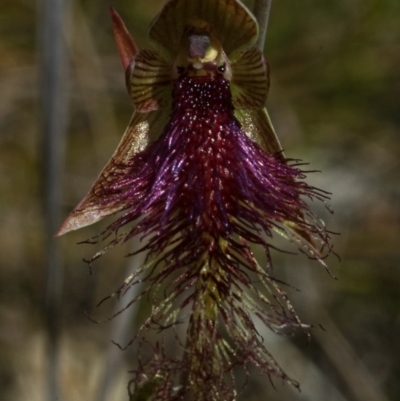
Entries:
{"x":203,"y":185}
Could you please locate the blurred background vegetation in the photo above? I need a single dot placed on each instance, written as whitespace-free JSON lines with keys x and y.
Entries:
{"x":335,"y":102}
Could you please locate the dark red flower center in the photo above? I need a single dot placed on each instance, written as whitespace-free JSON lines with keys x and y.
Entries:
{"x":204,"y":188}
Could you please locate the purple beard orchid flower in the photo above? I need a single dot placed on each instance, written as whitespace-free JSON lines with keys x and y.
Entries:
{"x":199,"y":176}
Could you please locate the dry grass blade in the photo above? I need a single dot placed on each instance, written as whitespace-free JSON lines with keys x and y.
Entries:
{"x":261,"y":12}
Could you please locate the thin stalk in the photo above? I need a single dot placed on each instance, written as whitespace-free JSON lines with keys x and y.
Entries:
{"x":261,"y":12}
{"x":54,"y":126}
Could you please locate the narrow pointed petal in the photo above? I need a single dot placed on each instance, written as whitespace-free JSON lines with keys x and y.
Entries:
{"x":142,"y":130}
{"x":258,"y":127}
{"x":150,"y":82}
{"x":232,"y":22}
{"x":127,"y":48}
{"x":250,"y":80}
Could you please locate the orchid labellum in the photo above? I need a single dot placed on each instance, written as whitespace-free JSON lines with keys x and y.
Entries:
{"x":199,"y":176}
